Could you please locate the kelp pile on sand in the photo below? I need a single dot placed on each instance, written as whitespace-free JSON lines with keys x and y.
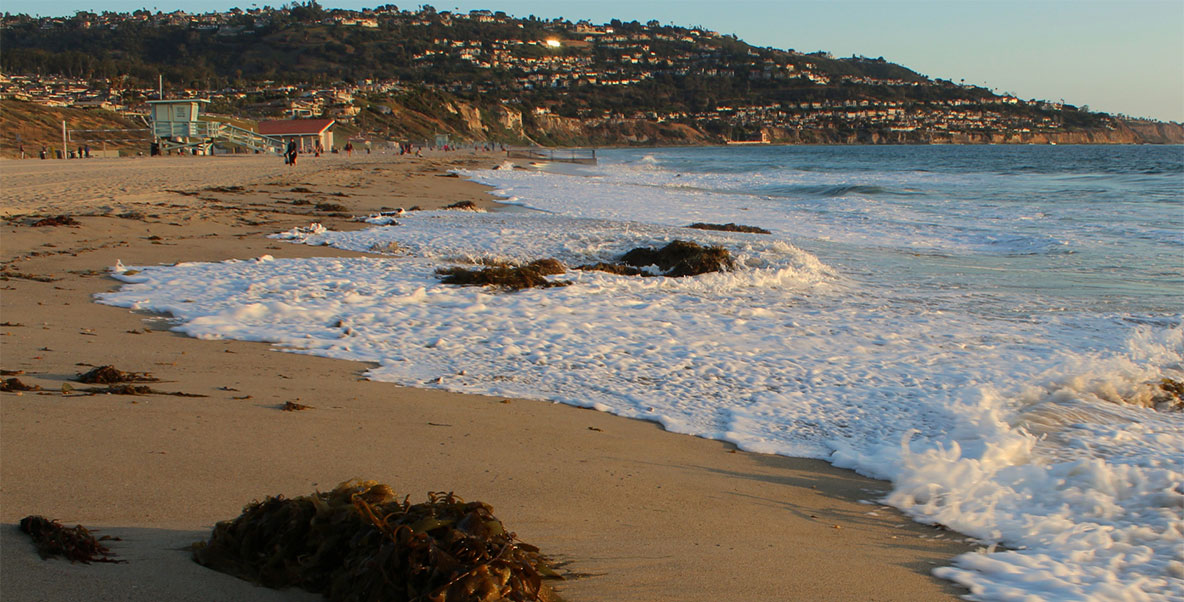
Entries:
{"x":507,"y":276}
{"x":14,"y":384}
{"x":56,"y":220}
{"x":675,"y":260}
{"x":106,"y":375}
{"x":117,"y":383}
{"x":358,"y":542}
{"x":77,"y":543}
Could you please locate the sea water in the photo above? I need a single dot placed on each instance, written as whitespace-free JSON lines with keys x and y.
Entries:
{"x":986,"y":327}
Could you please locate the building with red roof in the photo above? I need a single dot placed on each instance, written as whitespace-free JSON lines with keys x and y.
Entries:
{"x":306,"y":132}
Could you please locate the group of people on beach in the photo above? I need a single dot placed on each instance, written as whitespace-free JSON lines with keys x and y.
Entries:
{"x":83,"y":152}
{"x":292,"y":151}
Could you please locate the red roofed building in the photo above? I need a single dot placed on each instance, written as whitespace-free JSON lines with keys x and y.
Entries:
{"x":306,"y":132}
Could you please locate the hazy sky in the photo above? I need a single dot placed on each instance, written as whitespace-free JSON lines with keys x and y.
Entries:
{"x":1118,"y":56}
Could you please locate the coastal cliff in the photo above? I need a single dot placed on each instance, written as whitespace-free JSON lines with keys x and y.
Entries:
{"x":419,"y":120}
{"x":501,"y":123}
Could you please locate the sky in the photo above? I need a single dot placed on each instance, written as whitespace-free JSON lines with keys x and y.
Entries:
{"x":1117,"y":56}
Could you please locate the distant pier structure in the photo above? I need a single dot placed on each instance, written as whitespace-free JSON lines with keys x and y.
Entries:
{"x":176,"y":126}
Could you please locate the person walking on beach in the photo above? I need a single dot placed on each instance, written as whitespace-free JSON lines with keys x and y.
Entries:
{"x":291,"y":153}
{"x":349,"y":149}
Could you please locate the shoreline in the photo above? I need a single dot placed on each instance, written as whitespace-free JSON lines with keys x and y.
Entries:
{"x":643,"y":513}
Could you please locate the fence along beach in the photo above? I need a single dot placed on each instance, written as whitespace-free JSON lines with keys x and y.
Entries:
{"x":637,"y":512}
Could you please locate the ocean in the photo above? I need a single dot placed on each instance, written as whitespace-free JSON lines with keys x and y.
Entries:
{"x":987,"y":327}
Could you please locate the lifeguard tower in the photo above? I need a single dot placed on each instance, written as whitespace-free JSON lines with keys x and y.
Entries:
{"x":175,"y":126}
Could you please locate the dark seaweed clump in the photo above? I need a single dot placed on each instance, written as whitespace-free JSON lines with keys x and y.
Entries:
{"x":675,"y":260}
{"x":57,"y":220}
{"x":728,"y":228}
{"x":463,"y":205}
{"x":105,"y":375}
{"x":14,"y":384}
{"x":358,"y":542}
{"x":77,"y":543}
{"x":509,"y":277}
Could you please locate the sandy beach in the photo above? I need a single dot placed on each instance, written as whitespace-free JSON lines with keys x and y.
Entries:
{"x":633,"y":512}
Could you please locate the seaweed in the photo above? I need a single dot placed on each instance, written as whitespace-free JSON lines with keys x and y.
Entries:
{"x":677,"y":259}
{"x":461,"y":205}
{"x":548,"y":266}
{"x":292,"y":406}
{"x":77,"y":543}
{"x":10,"y":274}
{"x":330,"y":207}
{"x":613,"y":268}
{"x":57,"y":220}
{"x":359,"y":542}
{"x":125,"y":389}
{"x":729,"y":227}
{"x":507,"y":276}
{"x":105,"y":375}
{"x":14,"y":384}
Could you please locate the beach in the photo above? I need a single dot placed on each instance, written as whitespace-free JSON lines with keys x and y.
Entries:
{"x":632,"y":511}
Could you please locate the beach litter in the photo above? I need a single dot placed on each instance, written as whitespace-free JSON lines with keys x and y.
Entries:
{"x":359,"y":542}
{"x":77,"y":543}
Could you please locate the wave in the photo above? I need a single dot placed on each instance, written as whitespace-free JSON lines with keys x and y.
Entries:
{"x":833,"y":191}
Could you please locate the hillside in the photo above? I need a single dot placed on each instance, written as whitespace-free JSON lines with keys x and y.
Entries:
{"x":33,"y":126}
{"x":485,"y":76}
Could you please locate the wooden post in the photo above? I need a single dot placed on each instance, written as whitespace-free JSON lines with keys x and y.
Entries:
{"x":65,"y":150}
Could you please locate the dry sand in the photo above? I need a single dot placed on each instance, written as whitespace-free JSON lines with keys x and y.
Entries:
{"x":636,"y":513}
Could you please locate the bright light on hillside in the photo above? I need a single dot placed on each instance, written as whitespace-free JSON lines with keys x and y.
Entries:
{"x":553,"y":43}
